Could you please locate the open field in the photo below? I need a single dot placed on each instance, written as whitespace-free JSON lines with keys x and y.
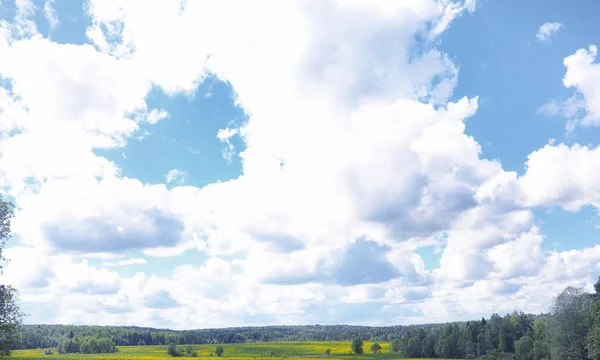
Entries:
{"x":298,"y":350}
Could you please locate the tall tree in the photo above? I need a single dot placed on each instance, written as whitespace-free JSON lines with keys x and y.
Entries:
{"x":524,"y":348}
{"x":10,"y":314}
{"x":540,"y":340}
{"x":593,"y":336}
{"x":569,"y":325}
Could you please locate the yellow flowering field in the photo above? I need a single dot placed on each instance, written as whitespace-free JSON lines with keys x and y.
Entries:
{"x":254,"y":351}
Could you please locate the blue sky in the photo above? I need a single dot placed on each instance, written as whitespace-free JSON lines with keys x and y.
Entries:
{"x":338,"y":162}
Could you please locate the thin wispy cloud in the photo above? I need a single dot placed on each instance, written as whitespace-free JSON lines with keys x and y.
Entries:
{"x":547,"y":30}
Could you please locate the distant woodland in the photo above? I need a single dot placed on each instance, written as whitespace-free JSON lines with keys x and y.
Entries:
{"x":570,"y":331}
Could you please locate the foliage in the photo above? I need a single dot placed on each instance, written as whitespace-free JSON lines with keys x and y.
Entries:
{"x":48,"y":352}
{"x":10,"y":315}
{"x":328,"y":351}
{"x":375,"y":348}
{"x":219,"y":350}
{"x":87,"y":345}
{"x":395,"y":346}
{"x":357,"y":345}
{"x":524,"y":348}
{"x":592,"y":340}
{"x":569,"y":325}
{"x":172,"y":350}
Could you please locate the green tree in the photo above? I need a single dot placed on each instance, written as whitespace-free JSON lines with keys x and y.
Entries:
{"x":188,"y":349}
{"x":357,"y":345}
{"x":85,"y":348}
{"x":219,"y":350}
{"x":449,"y":347}
{"x":540,"y":340}
{"x":593,"y":337}
{"x":10,"y":314}
{"x":172,"y":350}
{"x":428,"y":346}
{"x":524,"y":348}
{"x":395,"y":346}
{"x":569,"y":325}
{"x":502,"y":342}
{"x":375,"y":347}
{"x":328,"y":351}
{"x":470,"y":350}
{"x":413,"y":348}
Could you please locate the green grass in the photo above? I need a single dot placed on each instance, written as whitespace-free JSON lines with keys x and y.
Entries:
{"x":258,"y":351}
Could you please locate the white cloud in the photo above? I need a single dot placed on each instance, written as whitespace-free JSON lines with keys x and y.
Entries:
{"x":583,"y":74}
{"x":51,"y":15}
{"x":24,"y":24}
{"x":348,"y":137}
{"x":547,"y":30}
{"x":176,"y":175}
{"x":562,"y":175}
{"x":128,"y":262}
{"x":155,"y":116}
{"x":224,"y":135}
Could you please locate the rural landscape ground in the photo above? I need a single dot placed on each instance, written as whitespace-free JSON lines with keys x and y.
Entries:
{"x":290,"y":350}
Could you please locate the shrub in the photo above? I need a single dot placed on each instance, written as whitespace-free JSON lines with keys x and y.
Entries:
{"x":188,"y":349}
{"x":328,"y":351}
{"x":357,"y":345}
{"x":48,"y":352}
{"x":172,"y":350}
{"x":219,"y":350}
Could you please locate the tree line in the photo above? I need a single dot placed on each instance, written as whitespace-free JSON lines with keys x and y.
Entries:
{"x":87,"y":345}
{"x":50,"y":336}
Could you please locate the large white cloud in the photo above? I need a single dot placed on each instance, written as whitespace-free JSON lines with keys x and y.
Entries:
{"x":583,"y":74}
{"x":562,"y":175}
{"x":354,"y":159}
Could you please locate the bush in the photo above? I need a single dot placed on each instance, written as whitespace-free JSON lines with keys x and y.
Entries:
{"x":328,"y":351}
{"x":219,"y":350}
{"x":188,"y":350}
{"x":357,"y":345}
{"x":172,"y":350}
{"x":48,"y":352}
{"x":375,"y":347}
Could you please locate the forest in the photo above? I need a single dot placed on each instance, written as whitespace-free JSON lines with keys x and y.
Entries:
{"x":570,"y":331}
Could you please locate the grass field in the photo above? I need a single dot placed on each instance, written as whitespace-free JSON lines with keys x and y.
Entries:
{"x":298,"y":350}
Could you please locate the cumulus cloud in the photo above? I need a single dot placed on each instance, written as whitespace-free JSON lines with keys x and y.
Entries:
{"x":353,"y":158}
{"x":583,"y":74}
{"x":160,"y":300}
{"x":562,"y":175}
{"x":547,"y":30}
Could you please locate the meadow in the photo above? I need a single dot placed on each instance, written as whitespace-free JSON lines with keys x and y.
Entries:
{"x":277,"y":350}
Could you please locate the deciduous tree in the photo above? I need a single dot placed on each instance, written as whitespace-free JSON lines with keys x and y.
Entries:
{"x":357,"y":345}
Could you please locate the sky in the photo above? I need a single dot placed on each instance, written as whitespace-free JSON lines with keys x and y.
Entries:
{"x":188,"y":164}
